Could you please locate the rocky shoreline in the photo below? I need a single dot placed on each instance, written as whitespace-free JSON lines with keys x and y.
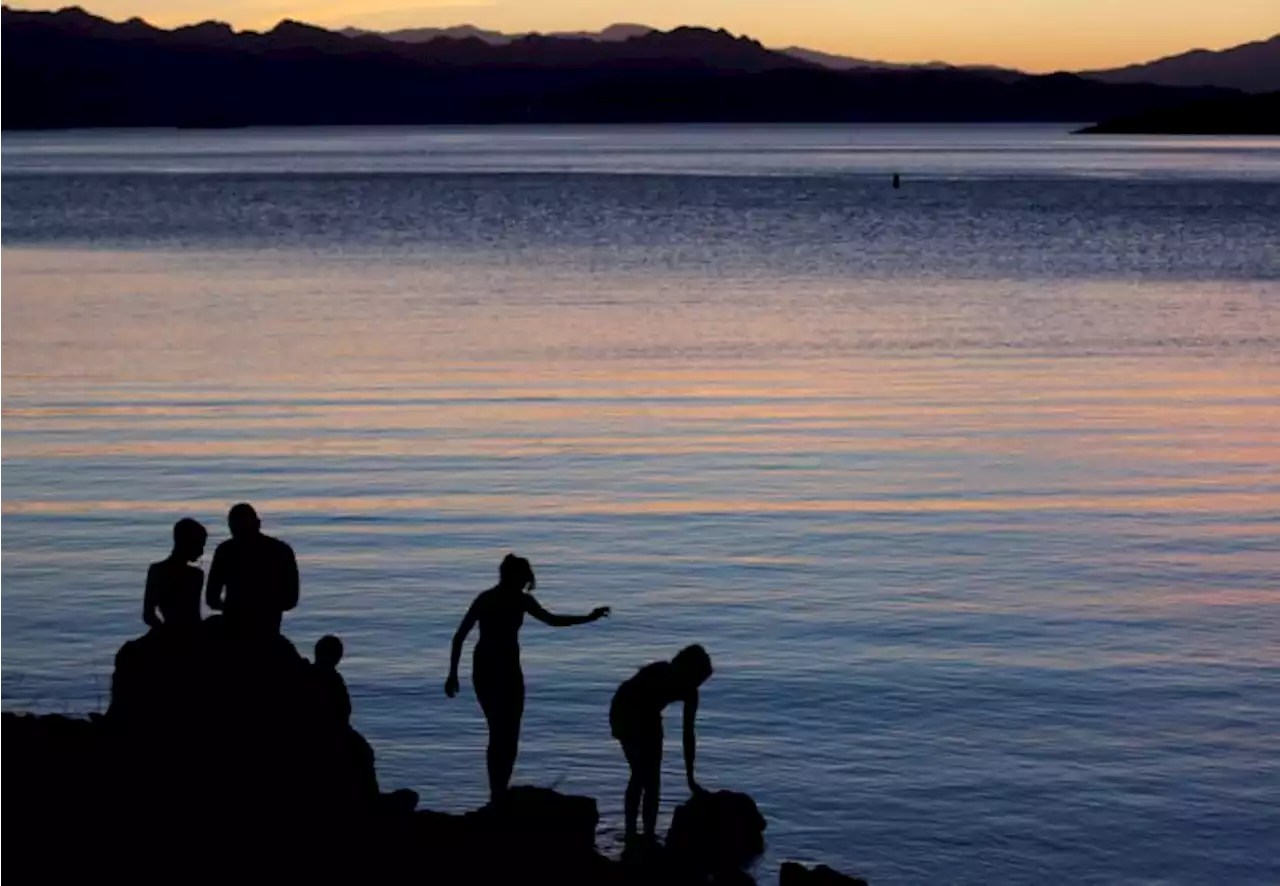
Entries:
{"x":219,"y":757}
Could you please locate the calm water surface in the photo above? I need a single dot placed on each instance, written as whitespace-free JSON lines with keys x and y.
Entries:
{"x":970,"y":487}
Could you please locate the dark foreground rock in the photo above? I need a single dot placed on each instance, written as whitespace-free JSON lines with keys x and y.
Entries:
{"x":793,"y":874}
{"x":716,"y":833}
{"x":219,"y":715}
{"x":224,"y":755}
{"x":216,"y":746}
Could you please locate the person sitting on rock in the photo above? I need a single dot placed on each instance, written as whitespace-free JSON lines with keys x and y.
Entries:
{"x":172,"y":597}
{"x":258,"y":573}
{"x":635,"y":718}
{"x":332,"y":693}
{"x":495,"y":668}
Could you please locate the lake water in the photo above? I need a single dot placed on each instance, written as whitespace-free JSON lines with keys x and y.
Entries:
{"x":970,"y":488}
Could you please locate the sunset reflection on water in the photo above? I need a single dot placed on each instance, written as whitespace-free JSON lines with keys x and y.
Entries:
{"x":985,"y":550}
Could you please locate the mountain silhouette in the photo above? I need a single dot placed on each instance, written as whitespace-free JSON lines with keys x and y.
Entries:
{"x":625,"y":31}
{"x":612,"y":34}
{"x":839,"y":62}
{"x":1251,"y":67}
{"x":1236,"y":115}
{"x":849,"y":63}
{"x":73,"y":69}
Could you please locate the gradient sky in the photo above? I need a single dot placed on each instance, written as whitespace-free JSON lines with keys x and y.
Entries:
{"x":1036,"y":35}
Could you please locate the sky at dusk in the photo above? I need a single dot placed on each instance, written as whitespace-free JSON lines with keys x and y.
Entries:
{"x":1037,"y":35}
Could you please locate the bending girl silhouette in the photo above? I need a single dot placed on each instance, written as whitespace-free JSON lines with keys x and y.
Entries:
{"x":495,"y":667}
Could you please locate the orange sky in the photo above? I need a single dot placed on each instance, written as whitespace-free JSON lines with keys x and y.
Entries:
{"x":1035,"y":35}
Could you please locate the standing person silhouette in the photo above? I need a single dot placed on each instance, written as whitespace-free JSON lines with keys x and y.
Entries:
{"x":172,"y":597}
{"x":258,"y":573}
{"x":495,"y":668}
{"x":635,"y":718}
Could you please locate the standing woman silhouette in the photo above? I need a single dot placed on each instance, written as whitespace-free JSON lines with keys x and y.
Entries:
{"x":495,"y":668}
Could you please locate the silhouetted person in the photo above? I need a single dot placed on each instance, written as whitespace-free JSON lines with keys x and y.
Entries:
{"x":172,"y":597}
{"x":259,"y":574}
{"x":635,"y":717}
{"x":897,"y":180}
{"x":495,"y":668}
{"x":332,"y":688}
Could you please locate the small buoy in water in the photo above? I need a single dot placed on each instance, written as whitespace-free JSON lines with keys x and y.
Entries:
{"x":896,"y":181}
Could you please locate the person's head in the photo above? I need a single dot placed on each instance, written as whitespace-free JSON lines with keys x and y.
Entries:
{"x":243,"y":521}
{"x":188,"y":539}
{"x":516,"y":573}
{"x":328,"y":651}
{"x":692,"y":666}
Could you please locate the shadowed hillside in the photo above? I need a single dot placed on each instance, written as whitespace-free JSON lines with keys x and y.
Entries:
{"x":1238,"y":115}
{"x":1252,"y":67}
{"x":72,"y":69}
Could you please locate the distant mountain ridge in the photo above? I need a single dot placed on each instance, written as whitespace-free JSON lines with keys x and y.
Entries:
{"x":70,"y":69}
{"x":624,"y":31}
{"x":849,"y":63}
{"x":612,"y":34}
{"x":1251,"y":67}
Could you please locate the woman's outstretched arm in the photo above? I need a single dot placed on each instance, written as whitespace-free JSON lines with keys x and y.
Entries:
{"x":468,"y":622}
{"x":534,"y":608}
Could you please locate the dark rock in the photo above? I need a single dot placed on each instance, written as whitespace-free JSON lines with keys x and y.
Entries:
{"x":716,"y":833}
{"x":794,"y":874}
{"x":220,"y":756}
{"x":646,"y":861}
{"x":132,"y":809}
{"x":539,"y":822}
{"x":229,"y":716}
{"x":224,"y":747}
{"x":213,"y":741}
{"x":530,"y":832}
{"x":52,"y":759}
{"x":401,"y":802}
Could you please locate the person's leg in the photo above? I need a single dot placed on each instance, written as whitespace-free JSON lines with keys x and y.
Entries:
{"x":497,"y":757}
{"x":504,"y":713}
{"x":490,"y":703}
{"x":642,"y":746}
{"x":651,"y":779}
{"x":631,"y":804}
